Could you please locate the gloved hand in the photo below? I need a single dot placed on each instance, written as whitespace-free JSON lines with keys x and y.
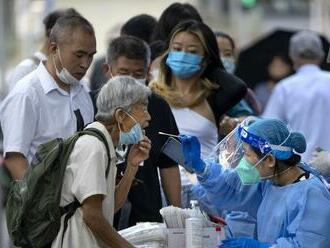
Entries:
{"x":321,"y":161}
{"x":242,"y":243}
{"x":192,"y":154}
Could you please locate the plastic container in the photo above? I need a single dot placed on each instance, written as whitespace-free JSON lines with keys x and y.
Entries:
{"x":194,"y":228}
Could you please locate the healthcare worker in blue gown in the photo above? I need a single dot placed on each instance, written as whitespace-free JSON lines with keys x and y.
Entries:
{"x":288,"y":199}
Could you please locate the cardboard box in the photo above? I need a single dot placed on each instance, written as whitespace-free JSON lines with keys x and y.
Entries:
{"x":211,"y":237}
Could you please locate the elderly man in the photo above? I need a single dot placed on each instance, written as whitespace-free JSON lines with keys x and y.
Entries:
{"x":122,"y":114}
{"x":51,"y":101}
{"x":303,"y":99}
{"x":128,"y":55}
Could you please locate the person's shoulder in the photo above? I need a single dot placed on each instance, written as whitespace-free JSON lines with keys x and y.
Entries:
{"x":158,"y":101}
{"x":325,"y":74}
{"x":28,"y":85}
{"x":26,"y":64}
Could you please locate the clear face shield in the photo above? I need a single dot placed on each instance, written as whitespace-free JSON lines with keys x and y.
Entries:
{"x":229,"y":153}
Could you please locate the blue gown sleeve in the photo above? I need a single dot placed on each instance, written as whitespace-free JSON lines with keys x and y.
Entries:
{"x":223,"y":190}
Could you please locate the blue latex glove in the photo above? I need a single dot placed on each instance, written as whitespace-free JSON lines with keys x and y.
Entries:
{"x":192,"y":154}
{"x":242,"y":243}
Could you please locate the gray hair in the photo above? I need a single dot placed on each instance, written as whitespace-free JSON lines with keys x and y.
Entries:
{"x":120,"y":92}
{"x":130,"y":47}
{"x":306,"y":45}
{"x":65,"y":25}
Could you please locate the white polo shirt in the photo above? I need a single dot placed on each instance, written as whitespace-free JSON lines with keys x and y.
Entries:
{"x":37,"y":110}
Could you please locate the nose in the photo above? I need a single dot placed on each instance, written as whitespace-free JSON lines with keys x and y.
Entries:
{"x":147,"y":119}
{"x":85,"y":63}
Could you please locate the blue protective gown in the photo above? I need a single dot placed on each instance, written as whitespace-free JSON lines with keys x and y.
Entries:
{"x":296,"y":215}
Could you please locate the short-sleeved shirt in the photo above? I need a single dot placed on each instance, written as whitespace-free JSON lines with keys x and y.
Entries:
{"x":83,"y":178}
{"x":145,"y":196}
{"x":37,"y":110}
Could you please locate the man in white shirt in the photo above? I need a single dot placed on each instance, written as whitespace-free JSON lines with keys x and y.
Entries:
{"x":303,"y":99}
{"x":30,"y":64}
{"x":122,"y":115}
{"x":50,"y":102}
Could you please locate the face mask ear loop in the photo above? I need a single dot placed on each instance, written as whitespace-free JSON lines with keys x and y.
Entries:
{"x":270,"y":152}
{"x":60,"y":57}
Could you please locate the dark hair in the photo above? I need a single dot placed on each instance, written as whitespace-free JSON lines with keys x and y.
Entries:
{"x":141,"y":26}
{"x":50,"y":20}
{"x":130,"y":47}
{"x":157,"y":48}
{"x":171,"y":16}
{"x":226,"y":36}
{"x":280,"y":165}
{"x":65,"y":25}
{"x":212,"y":51}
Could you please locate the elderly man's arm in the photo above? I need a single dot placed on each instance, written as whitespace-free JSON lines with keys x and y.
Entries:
{"x":101,"y":228}
{"x":124,"y":186}
{"x":137,"y":154}
{"x":17,"y":164}
{"x":171,"y":183}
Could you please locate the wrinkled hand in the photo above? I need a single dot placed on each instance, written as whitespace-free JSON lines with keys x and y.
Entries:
{"x":139,"y":152}
{"x":227,"y":124}
{"x":321,"y":161}
{"x":242,"y":243}
{"x":192,"y":154}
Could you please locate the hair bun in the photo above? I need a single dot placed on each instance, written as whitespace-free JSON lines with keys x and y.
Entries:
{"x":298,"y":142}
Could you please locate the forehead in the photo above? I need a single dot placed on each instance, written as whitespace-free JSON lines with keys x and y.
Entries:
{"x":80,"y":39}
{"x":123,"y":62}
{"x":186,"y":38}
{"x":224,"y":43}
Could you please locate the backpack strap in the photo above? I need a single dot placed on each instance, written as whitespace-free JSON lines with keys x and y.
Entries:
{"x":98,"y":134}
{"x":71,"y":208}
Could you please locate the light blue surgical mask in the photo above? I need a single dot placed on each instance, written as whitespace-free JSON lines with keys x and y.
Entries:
{"x":247,"y":172}
{"x":133,"y":136}
{"x":229,"y":64}
{"x":184,"y":65}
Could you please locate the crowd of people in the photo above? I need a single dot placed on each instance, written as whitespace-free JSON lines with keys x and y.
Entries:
{"x":174,"y":75}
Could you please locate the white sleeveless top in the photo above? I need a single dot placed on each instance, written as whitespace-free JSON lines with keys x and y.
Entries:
{"x":190,"y":122}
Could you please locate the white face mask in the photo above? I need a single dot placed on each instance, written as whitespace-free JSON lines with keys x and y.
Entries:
{"x":64,"y":75}
{"x":141,"y":81}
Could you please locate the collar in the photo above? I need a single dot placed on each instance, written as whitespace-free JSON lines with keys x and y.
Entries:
{"x":308,"y":68}
{"x":99,"y":126}
{"x":40,"y":55}
{"x":49,"y":84}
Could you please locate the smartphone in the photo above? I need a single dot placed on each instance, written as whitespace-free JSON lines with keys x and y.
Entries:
{"x":173,"y":149}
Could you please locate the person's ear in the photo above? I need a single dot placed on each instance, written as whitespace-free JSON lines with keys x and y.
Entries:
{"x":120,"y":116}
{"x":270,"y":161}
{"x":52,"y":48}
{"x":106,"y":70}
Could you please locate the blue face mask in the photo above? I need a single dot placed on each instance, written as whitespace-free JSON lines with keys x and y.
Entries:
{"x":247,"y":172}
{"x":229,"y":64}
{"x":133,"y":136}
{"x":184,"y":65}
